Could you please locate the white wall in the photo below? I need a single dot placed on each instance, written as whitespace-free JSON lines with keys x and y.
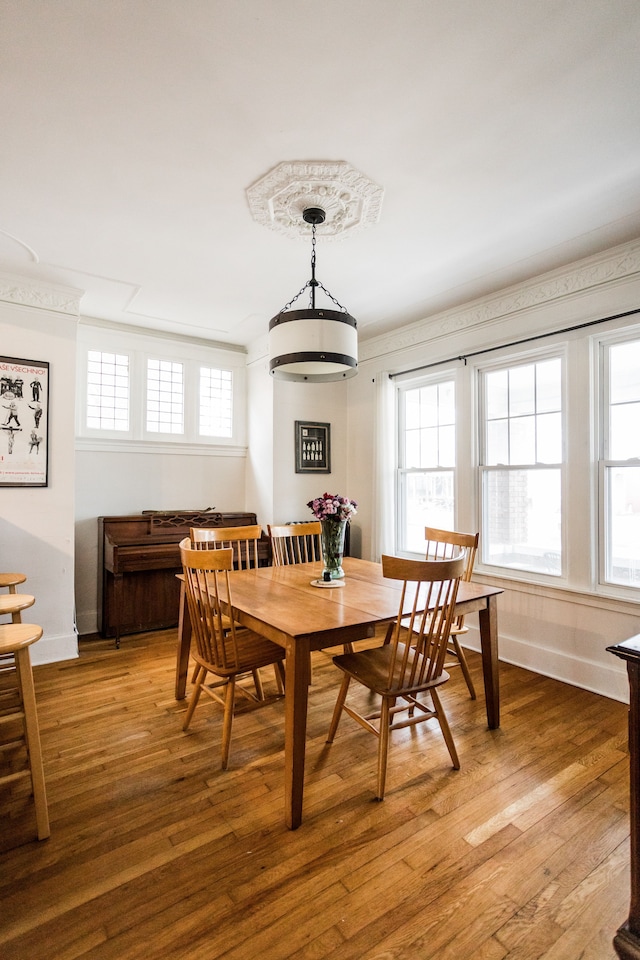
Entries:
{"x":274,"y":407}
{"x":37,"y":524}
{"x":557,"y":632}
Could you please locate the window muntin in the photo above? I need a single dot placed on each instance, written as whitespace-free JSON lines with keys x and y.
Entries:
{"x":427,"y":452}
{"x":215,"y":407}
{"x":620,"y":473}
{"x":522,"y":466}
{"x":165,"y":396}
{"x":108,"y":390}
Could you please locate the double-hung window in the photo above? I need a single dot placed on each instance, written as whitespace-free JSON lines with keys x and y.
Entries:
{"x":427,"y":458}
{"x":620,"y":463}
{"x":521,"y":465}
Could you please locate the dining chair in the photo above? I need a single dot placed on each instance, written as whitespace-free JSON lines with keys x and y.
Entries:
{"x":411,"y":663}
{"x":244,"y":543}
{"x":222,"y":648}
{"x":442,"y":544}
{"x":242,"y":540}
{"x":295,"y":542}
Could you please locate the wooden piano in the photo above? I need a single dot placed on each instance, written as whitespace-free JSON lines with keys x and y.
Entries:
{"x":138,"y":562}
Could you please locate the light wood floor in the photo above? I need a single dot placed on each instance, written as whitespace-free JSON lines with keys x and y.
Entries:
{"x":156,"y":854}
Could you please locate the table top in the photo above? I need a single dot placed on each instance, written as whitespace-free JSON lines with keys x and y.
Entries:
{"x":284,"y":598}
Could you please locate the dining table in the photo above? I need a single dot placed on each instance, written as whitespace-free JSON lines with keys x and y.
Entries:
{"x":289,"y":606}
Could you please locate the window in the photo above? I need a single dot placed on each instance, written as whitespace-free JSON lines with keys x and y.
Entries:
{"x":426,"y":461}
{"x":620,"y":463}
{"x":165,"y":397}
{"x":521,"y":466}
{"x":216,"y":403}
{"x":107,"y":391}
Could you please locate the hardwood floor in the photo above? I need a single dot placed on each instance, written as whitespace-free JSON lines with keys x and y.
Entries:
{"x":157,"y":854}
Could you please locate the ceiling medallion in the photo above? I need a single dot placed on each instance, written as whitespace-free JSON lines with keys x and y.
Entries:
{"x":350,"y":200}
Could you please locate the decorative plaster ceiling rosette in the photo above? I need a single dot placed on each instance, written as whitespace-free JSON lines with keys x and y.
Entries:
{"x":349,"y":199}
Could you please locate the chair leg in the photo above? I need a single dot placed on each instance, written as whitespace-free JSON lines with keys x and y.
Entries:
{"x":32,"y":736}
{"x":464,"y":666}
{"x":444,"y":726}
{"x":383,"y":748}
{"x":227,"y":721}
{"x":195,"y":696}
{"x":337,"y":710}
{"x":278,"y":669}
{"x":257,"y":679}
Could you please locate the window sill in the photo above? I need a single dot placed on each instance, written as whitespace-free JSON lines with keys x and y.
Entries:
{"x":180,"y":448}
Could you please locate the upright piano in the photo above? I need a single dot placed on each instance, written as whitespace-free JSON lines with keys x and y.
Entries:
{"x":138,"y":561}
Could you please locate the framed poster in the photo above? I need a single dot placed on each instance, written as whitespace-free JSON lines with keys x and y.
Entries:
{"x":313,"y":447}
{"x":24,"y":422}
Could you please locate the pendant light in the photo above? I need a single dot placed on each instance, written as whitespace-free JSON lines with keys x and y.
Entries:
{"x":314,"y":345}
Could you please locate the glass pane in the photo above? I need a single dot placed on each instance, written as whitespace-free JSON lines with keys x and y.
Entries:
{"x":549,"y":438}
{"x":428,"y":502}
{"x":522,"y":440}
{"x":624,"y":440}
{"x":412,"y":409}
{"x":447,"y":437}
{"x":216,"y":392}
{"x":624,"y":372}
{"x":497,"y":393}
{"x":429,"y":447}
{"x":522,"y":519}
{"x":107,"y":391}
{"x":429,"y":406}
{"x":412,"y":448}
{"x":522,"y":392}
{"x":623,"y":488}
{"x":447,"y":402}
{"x":497,"y":442}
{"x":549,"y":385}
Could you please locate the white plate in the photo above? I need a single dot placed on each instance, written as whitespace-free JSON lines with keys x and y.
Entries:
{"x":327,"y":583}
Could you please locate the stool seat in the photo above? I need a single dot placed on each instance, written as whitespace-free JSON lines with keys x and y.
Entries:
{"x":11,"y":580}
{"x":15,"y":602}
{"x":15,"y":640}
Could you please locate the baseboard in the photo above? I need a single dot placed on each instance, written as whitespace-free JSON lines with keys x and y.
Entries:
{"x":52,"y":649}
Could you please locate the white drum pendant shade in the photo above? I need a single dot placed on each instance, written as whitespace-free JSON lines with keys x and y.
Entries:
{"x":316,"y":346}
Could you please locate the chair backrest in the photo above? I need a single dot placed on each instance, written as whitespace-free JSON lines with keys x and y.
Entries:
{"x":242,"y":540}
{"x":427,"y":603}
{"x":295,"y":542}
{"x":445,"y":543}
{"x":206,"y":578}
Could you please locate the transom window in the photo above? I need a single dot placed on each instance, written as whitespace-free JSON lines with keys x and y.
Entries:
{"x":165,"y":396}
{"x":107,"y":391}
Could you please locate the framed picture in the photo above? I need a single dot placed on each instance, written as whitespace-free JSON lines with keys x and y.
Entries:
{"x":24,"y":422}
{"x":313,"y":447}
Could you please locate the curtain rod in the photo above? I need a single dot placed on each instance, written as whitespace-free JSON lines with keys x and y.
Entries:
{"x":515,"y":343}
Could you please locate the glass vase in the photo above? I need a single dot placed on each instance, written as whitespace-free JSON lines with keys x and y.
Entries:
{"x":332,"y":540}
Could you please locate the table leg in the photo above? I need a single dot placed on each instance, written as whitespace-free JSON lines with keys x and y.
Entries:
{"x":488,"y":622}
{"x":298,"y":675}
{"x":184,"y":646}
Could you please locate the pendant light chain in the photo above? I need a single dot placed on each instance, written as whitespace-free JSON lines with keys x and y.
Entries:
{"x":312,"y":283}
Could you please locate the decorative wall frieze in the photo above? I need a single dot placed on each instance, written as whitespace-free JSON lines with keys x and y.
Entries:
{"x":42,"y":296}
{"x":618,"y":263}
{"x":349,"y":198}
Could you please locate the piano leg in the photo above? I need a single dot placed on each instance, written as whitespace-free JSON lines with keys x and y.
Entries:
{"x":117,"y":596}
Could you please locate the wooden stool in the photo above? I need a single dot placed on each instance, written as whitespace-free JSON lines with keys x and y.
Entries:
{"x":11,"y":580}
{"x":14,"y":603}
{"x":19,"y":705}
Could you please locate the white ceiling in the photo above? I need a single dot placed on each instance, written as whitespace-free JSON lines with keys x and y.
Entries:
{"x":505,"y":134}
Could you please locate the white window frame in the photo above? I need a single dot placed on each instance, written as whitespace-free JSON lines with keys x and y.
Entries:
{"x":403,"y":386}
{"x":601,"y":347}
{"x":138,"y":347}
{"x":508,"y":361}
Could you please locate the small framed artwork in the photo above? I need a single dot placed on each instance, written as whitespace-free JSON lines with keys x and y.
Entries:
{"x":313,"y":447}
{"x":24,"y":422}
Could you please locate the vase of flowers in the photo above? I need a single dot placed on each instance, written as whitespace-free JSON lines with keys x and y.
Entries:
{"x":333,"y":512}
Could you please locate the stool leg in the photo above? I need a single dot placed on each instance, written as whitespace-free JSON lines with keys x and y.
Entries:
{"x":32,"y":733}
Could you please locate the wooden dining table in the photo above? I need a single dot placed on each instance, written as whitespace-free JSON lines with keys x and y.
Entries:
{"x":281,"y":603}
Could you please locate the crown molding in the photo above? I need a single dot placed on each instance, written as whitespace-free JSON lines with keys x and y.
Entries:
{"x":42,"y":296}
{"x":618,"y":263}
